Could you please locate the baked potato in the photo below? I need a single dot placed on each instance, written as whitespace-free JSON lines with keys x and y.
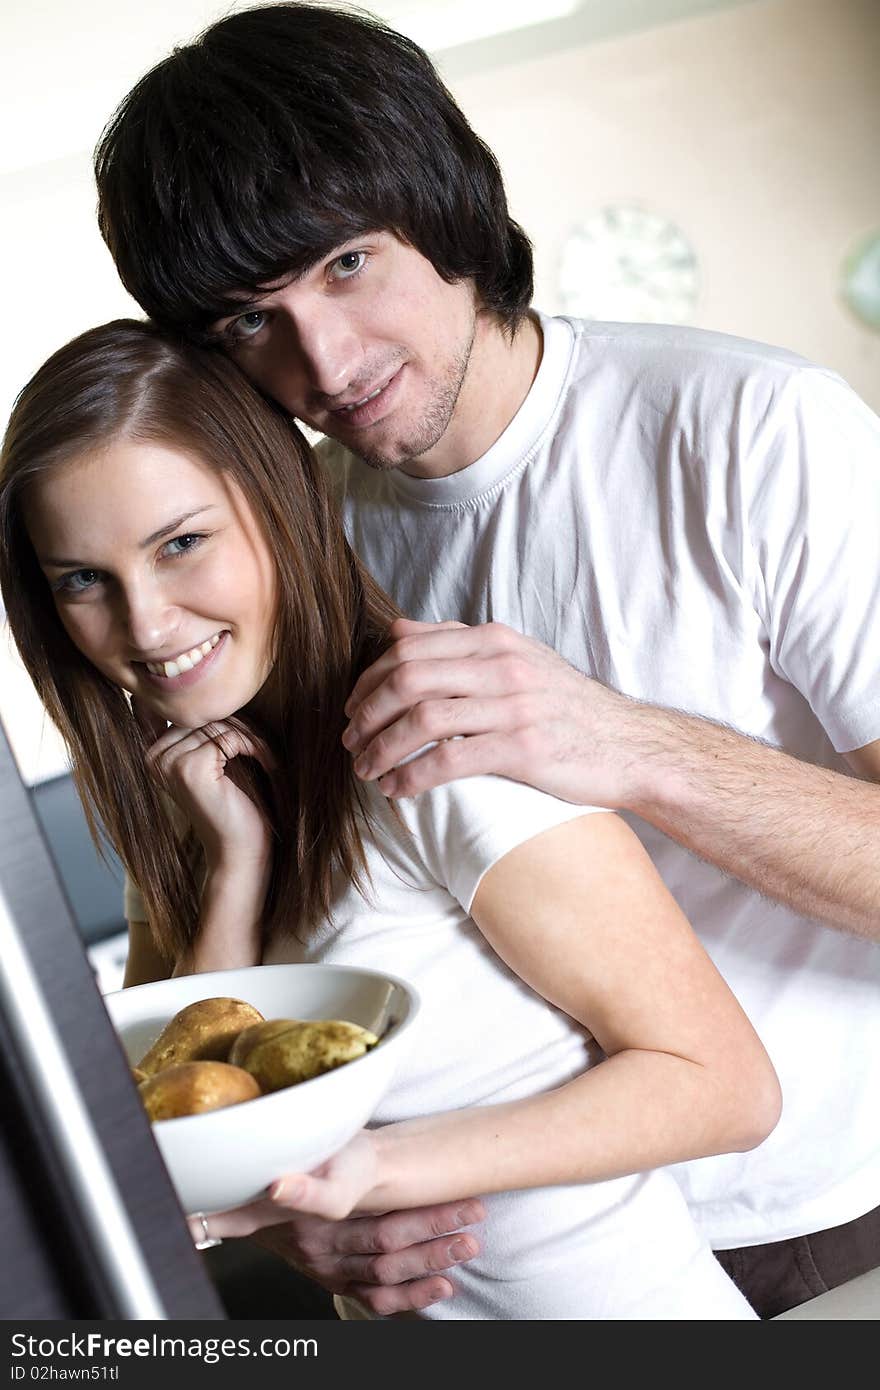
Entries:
{"x":190,"y":1088}
{"x":202,"y":1032}
{"x":286,"y":1055}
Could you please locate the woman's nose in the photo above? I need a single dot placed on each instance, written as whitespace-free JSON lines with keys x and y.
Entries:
{"x":150,"y":619}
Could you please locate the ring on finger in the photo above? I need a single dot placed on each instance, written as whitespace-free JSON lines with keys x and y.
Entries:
{"x":207,"y":1241}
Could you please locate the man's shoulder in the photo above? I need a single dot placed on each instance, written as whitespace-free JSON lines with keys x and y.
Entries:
{"x":665,"y":373}
{"x":341,"y":467}
{"x":681,"y":349}
{"x":334,"y":458}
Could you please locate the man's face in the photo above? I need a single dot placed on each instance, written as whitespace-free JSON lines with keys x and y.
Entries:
{"x":369,"y":346}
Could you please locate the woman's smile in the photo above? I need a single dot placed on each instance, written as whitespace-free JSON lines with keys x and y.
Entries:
{"x":187,"y":667}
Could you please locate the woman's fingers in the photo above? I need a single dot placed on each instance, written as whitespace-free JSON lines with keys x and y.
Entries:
{"x":216,"y":744}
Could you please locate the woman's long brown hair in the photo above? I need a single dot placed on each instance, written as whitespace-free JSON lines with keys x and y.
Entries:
{"x":127,"y":380}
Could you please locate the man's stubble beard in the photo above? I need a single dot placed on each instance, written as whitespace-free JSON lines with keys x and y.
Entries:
{"x":432,"y":427}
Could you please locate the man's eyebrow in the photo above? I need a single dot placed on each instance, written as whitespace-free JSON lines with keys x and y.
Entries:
{"x":251,"y":300}
{"x":58,"y":563}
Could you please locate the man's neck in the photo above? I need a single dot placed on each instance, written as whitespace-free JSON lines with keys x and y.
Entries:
{"x":499,"y":376}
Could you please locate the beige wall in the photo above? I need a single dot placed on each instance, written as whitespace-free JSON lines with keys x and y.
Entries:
{"x":756,"y":129}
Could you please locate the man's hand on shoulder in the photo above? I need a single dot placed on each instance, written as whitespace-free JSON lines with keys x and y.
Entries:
{"x":493,"y":701}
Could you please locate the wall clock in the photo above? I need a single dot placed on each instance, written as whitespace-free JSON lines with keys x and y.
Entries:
{"x":861,"y":280}
{"x":628,"y":264}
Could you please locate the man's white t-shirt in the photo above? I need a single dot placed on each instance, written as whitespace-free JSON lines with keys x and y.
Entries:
{"x":622,"y":1249}
{"x":693,"y":519}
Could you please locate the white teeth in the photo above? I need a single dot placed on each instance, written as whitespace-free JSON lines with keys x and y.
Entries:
{"x":355,"y":404}
{"x":185,"y":661}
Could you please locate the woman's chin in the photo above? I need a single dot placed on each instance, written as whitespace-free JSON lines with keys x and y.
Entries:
{"x":188,"y":714}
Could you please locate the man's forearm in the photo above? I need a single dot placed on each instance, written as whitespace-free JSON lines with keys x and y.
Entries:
{"x":805,"y":836}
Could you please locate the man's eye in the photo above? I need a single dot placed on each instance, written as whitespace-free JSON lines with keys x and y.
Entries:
{"x":247,"y":325}
{"x":77,"y":582}
{"x":181,"y":545}
{"x":348,"y":265}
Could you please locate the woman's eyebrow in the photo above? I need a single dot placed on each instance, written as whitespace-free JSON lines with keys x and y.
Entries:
{"x":173,"y":525}
{"x":56,"y":562}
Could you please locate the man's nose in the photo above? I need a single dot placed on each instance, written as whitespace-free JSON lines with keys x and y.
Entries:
{"x":328,"y":346}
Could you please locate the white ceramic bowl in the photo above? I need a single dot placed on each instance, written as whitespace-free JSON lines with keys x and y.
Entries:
{"x":224,"y":1158}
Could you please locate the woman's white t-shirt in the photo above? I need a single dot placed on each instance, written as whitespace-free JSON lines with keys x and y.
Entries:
{"x":621,"y":1249}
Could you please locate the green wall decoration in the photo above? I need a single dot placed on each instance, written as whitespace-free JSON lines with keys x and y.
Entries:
{"x":861,"y":280}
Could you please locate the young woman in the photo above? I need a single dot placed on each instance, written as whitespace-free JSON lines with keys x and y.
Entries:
{"x":192,"y":617}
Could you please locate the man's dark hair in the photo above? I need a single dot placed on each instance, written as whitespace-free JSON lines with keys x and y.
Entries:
{"x":280,"y":133}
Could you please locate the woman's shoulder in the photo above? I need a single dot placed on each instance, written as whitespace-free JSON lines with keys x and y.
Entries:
{"x":461,"y":829}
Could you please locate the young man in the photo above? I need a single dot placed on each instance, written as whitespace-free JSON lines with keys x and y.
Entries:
{"x":676,"y":521}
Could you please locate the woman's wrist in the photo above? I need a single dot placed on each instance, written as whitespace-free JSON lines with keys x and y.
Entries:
{"x":230,"y":928}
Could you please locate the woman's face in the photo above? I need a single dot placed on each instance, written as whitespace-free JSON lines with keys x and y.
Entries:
{"x":160,"y":575}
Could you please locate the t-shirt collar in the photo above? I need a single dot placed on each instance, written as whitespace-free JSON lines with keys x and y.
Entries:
{"x":518,"y":439}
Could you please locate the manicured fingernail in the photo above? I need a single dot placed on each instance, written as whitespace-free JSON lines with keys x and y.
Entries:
{"x":459,"y":1250}
{"x":350,"y":739}
{"x":362,"y":766}
{"x":282,"y":1191}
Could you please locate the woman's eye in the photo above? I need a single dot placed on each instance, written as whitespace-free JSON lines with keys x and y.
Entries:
{"x":348,"y":264}
{"x":180,"y":545}
{"x":77,"y":582}
{"x":247,"y":325}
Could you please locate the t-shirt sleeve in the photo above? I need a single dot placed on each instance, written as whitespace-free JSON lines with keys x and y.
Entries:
{"x":134,"y":906}
{"x":813,"y":535}
{"x":466,"y":827}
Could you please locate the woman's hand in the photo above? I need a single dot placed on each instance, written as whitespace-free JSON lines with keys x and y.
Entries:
{"x":190,"y":764}
{"x":336,"y":1189}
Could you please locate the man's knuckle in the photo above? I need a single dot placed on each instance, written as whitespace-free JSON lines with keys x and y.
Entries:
{"x":509,"y":670}
{"x":450,"y":754}
{"x":379,"y":747}
{"x":385,"y":1240}
{"x":405,"y":682}
{"x":379,"y":1301}
{"x":405,"y":648}
{"x":379,"y":1269}
{"x":525,"y":710}
{"x":308,"y":1248}
{"x":439,"y":1225}
{"x":425,"y":718}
